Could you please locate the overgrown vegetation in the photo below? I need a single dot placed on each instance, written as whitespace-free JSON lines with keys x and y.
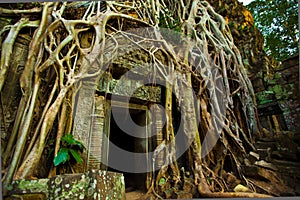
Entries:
{"x":278,"y":22}
{"x":62,"y":54}
{"x":69,"y":147}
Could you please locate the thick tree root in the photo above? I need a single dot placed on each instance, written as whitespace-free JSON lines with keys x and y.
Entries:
{"x":209,"y":65}
{"x":234,"y":195}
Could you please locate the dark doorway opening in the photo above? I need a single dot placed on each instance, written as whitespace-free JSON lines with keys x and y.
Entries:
{"x":133,"y":181}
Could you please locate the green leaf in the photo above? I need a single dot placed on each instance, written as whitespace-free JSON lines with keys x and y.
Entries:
{"x":61,"y":157}
{"x":208,"y":180}
{"x":278,"y":22}
{"x":277,"y":75}
{"x":76,"y":155}
{"x":79,"y":144}
{"x":68,"y":138}
{"x":162,"y":181}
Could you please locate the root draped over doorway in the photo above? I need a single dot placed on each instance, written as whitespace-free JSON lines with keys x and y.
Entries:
{"x":79,"y":40}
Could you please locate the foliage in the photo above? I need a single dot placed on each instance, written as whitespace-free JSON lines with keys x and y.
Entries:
{"x":60,"y":57}
{"x":274,"y":91}
{"x":69,"y":146}
{"x":162,"y":181}
{"x":265,"y":97}
{"x":165,"y":21}
{"x":278,"y":22}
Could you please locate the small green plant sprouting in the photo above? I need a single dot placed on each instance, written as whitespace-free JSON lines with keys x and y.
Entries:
{"x":162,"y":181}
{"x":69,"y":147}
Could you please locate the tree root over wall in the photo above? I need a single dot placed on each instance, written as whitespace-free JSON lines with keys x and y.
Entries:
{"x":70,"y":37}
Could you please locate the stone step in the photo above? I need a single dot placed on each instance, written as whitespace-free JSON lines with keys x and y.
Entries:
{"x":282,"y":153}
{"x":266,"y":139}
{"x":289,"y":173}
{"x":263,"y":153}
{"x":289,"y":165}
{"x":266,"y":145}
{"x":266,"y":165}
{"x":285,"y":155}
{"x":294,"y":171}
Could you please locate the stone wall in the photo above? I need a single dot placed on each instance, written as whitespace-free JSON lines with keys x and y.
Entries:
{"x":90,"y":185}
{"x":247,"y":38}
{"x":276,"y":85}
{"x":279,"y":103}
{"x":9,"y":106}
{"x":289,"y":85}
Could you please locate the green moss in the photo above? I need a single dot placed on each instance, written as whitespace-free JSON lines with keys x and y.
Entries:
{"x":80,"y":186}
{"x":37,"y":186}
{"x":265,"y":97}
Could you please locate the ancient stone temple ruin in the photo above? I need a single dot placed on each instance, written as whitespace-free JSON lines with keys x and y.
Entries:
{"x":159,"y":102}
{"x":97,"y":127}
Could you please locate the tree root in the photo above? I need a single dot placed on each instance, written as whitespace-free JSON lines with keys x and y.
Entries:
{"x":215,"y":71}
{"x":234,"y":195}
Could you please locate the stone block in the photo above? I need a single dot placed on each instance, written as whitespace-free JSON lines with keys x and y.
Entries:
{"x":182,"y":195}
{"x":94,"y":184}
{"x":241,"y":188}
{"x":266,"y":165}
{"x":253,"y":156}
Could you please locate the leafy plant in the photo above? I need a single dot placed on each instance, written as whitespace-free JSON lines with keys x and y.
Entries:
{"x":265,"y":97}
{"x":209,"y":180}
{"x":69,"y":149}
{"x":162,"y":181}
{"x":278,"y":22}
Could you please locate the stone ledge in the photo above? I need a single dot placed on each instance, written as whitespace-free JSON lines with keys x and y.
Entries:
{"x":94,"y":184}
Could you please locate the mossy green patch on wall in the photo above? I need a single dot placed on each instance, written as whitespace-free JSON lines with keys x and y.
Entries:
{"x":90,"y":185}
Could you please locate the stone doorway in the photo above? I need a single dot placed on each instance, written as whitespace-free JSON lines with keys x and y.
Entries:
{"x":118,"y":136}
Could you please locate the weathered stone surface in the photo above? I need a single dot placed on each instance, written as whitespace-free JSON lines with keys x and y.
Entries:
{"x":286,"y":154}
{"x":276,"y":85}
{"x":168,"y":194}
{"x":265,"y":145}
{"x":279,"y":101}
{"x":263,"y":153}
{"x":249,"y":171}
{"x":230,"y":179}
{"x":274,"y":189}
{"x":138,"y":195}
{"x":241,"y":188}
{"x":90,"y":185}
{"x":259,"y":172}
{"x":265,"y":164}
{"x":285,"y":157}
{"x":132,"y":88}
{"x":181,"y":195}
{"x":253,"y":157}
{"x":267,"y":180}
{"x":27,"y":197}
{"x":12,"y":87}
{"x":83,"y":115}
{"x":289,"y":83}
{"x":189,"y":186}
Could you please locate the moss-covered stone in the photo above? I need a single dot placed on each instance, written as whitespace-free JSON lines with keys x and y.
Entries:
{"x":93,"y":184}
